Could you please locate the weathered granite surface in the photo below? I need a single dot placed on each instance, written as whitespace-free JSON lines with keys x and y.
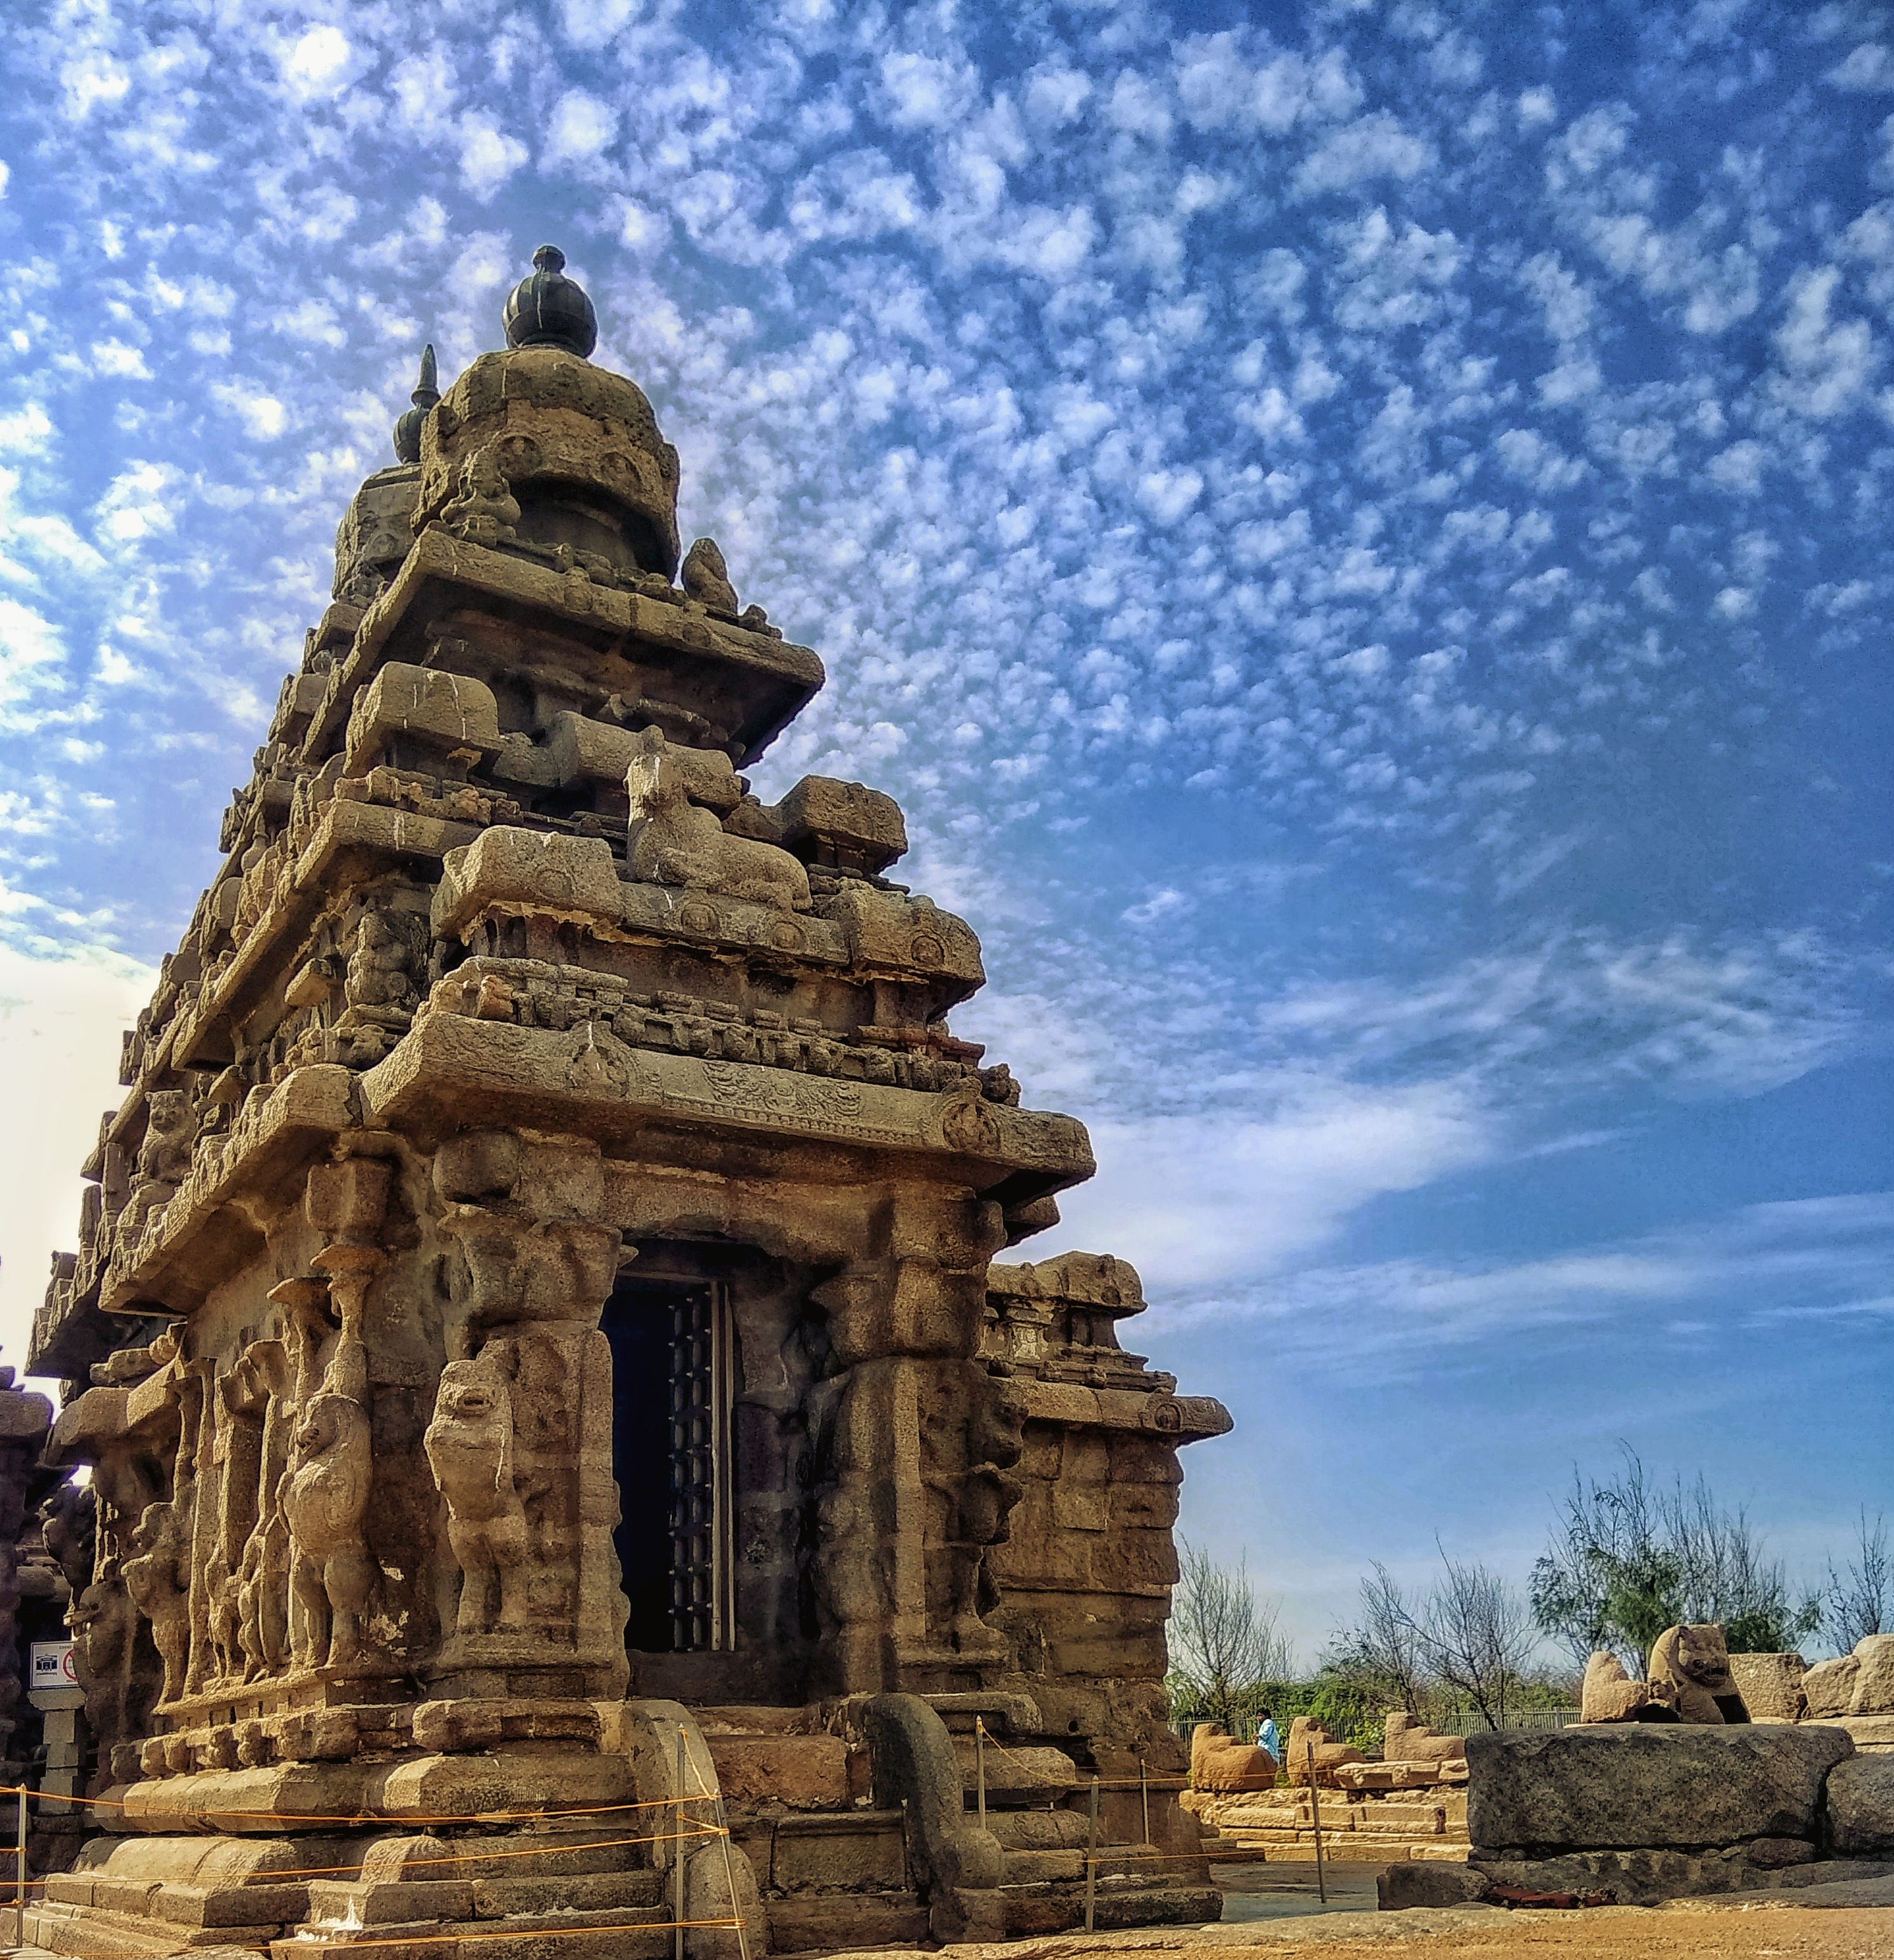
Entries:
{"x":1644,"y":1788}
{"x":544,"y":1254}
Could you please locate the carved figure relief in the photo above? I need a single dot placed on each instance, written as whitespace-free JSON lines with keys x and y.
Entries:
{"x":262,"y":1624}
{"x":158,"y":1577}
{"x":469,"y":1447}
{"x":485,"y":511}
{"x":673,"y":841}
{"x":325,"y":1494}
{"x":163,"y":1160}
{"x":707,"y":578}
{"x":378,"y":965}
{"x":69,"y":1522}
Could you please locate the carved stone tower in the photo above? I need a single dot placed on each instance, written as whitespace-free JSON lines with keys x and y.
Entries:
{"x":539,"y":1271}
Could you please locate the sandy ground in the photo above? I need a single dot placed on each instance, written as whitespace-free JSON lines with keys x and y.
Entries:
{"x":1851,"y":1922}
{"x":1610,"y":1933}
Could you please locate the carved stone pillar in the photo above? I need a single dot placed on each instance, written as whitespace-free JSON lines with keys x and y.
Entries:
{"x":520,"y":1444}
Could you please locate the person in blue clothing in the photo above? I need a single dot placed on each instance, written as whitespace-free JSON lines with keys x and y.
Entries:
{"x":1266,"y":1737}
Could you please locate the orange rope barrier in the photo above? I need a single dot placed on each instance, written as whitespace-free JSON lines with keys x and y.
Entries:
{"x":402,"y":1818}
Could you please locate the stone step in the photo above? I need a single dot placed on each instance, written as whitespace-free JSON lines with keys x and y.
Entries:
{"x":1030,"y":1774}
{"x":383,"y":1901}
{"x":837,"y":1922}
{"x":642,"y":1933}
{"x":1039,"y":1830}
{"x":1033,"y":1910}
{"x":865,"y":1850}
{"x":89,"y":1933}
{"x":609,"y":1892}
{"x":782,"y":1768}
{"x":757,"y":1719}
{"x":1027,"y":1868}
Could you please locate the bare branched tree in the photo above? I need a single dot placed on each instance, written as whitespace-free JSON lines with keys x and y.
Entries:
{"x":1225,"y":1643}
{"x":1478,"y":1633}
{"x":1382,"y":1652}
{"x":1859,"y":1599}
{"x":1473,"y":1633}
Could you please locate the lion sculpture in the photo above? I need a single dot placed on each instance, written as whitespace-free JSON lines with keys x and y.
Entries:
{"x":469,"y":1445}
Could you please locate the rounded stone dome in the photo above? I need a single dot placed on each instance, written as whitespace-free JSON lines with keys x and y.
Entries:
{"x":547,"y":310}
{"x":579,"y":447}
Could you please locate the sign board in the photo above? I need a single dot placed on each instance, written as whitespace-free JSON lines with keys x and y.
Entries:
{"x":52,"y":1665}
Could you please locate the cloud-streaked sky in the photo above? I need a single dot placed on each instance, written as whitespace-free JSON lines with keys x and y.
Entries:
{"x":1357,"y":532}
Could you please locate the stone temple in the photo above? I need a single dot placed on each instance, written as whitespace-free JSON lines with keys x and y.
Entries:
{"x":535,"y":1339}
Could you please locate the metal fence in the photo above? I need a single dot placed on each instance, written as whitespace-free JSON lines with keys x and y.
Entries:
{"x":1470,"y":1721}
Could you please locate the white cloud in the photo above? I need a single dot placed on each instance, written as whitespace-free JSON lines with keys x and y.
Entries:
{"x":1168,"y":494}
{"x":1869,"y":66}
{"x":488,"y":156}
{"x":1527,"y":455}
{"x":927,"y":91}
{"x":1825,"y":363}
{"x":581,"y":127}
{"x":1375,"y":146}
{"x":1212,"y":1198}
{"x":1739,"y":467}
{"x":30,"y":647}
{"x":1218,"y":88}
{"x":137,"y":503}
{"x":262,"y":416}
{"x":315,"y":62}
{"x":60,"y":1020}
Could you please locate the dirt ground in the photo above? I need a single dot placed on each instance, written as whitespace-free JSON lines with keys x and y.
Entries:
{"x":1696,"y":1931}
{"x":1761,"y":1932}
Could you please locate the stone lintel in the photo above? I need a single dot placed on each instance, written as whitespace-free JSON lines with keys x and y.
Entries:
{"x":499,"y":1784}
{"x":1177,"y":1418}
{"x":587,"y":1082}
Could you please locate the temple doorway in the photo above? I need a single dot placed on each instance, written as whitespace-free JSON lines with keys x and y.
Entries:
{"x":668,"y":1322}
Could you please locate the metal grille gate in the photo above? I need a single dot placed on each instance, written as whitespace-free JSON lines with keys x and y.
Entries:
{"x":697,"y":1604}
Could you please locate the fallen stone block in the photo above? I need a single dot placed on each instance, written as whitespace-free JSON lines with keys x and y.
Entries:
{"x":1860,"y":1805}
{"x":1429,"y":1883}
{"x":1641,"y":1787}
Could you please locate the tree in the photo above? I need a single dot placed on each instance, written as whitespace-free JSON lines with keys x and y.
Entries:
{"x":1859,"y":1599}
{"x":1627,"y":1559}
{"x":1381,"y":1654}
{"x":1224,"y":1644}
{"x":1473,"y":1633}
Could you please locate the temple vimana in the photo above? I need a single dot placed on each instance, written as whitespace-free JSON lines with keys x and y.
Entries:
{"x":552,"y":1464}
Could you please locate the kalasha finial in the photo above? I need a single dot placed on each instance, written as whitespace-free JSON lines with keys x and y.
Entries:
{"x":547,"y":310}
{"x":408,"y":430}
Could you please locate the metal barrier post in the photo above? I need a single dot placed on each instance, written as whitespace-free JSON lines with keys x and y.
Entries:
{"x":1091,"y":1854}
{"x":979,"y":1766}
{"x":1315,"y":1805}
{"x":677,"y":1856}
{"x":1144,"y":1799}
{"x":730,"y":1867}
{"x":20,"y":1876}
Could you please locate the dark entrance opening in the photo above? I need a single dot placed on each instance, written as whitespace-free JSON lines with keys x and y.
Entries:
{"x":668,"y":1332}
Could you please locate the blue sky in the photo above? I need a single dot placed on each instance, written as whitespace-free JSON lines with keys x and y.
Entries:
{"x":1357,"y":533}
